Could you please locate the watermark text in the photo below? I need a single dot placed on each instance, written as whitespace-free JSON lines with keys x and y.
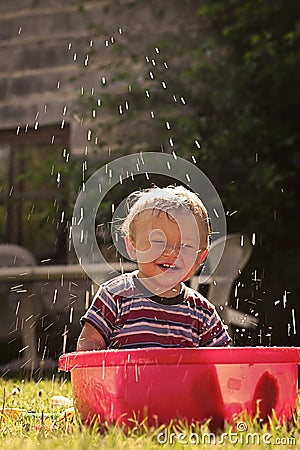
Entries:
{"x":240,"y":436}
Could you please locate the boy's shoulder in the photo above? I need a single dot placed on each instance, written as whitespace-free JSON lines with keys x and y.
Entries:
{"x":198,"y":299}
{"x":120,"y":284}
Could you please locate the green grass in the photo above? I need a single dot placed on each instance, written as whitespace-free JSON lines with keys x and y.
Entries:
{"x":41,"y":429}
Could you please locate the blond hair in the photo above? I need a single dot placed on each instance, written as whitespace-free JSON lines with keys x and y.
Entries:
{"x":167,"y":199}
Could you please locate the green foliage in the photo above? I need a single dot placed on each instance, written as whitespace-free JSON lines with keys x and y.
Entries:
{"x":248,"y":60}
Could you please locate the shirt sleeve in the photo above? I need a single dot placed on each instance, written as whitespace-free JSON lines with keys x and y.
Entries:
{"x":102,"y":313}
{"x":215,"y":333}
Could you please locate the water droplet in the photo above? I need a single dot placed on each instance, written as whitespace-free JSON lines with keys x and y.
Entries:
{"x":71,"y":314}
{"x":64,"y":336}
{"x":103,"y":369}
{"x":294,"y":321}
{"x":216,"y":212}
{"x":285,"y":298}
{"x":136,"y":373}
{"x":54,"y":296}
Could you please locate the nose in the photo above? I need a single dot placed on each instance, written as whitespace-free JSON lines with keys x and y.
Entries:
{"x":171,"y":249}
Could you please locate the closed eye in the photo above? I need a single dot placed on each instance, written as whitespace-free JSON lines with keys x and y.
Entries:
{"x":157,"y":242}
{"x":187,"y":246}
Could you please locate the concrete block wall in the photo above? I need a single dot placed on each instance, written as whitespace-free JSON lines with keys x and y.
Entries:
{"x":44,"y":48}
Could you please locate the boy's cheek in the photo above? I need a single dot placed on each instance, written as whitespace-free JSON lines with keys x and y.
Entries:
{"x":147,"y":255}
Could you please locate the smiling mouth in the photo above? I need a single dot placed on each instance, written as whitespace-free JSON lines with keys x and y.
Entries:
{"x":166,"y":266}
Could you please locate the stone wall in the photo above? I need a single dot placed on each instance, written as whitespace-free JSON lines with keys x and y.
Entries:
{"x":50,"y":52}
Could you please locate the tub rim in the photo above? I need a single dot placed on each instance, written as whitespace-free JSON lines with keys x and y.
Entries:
{"x":179,"y":356}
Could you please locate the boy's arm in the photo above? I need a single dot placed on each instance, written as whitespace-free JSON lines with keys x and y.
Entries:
{"x":90,"y":339}
{"x":215,"y":333}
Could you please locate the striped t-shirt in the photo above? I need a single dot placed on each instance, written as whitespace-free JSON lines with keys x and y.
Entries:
{"x":127,"y":318}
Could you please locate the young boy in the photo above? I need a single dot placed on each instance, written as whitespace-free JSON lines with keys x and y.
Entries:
{"x":167,"y":232}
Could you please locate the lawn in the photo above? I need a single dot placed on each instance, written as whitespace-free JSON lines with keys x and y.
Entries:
{"x":46,"y":422}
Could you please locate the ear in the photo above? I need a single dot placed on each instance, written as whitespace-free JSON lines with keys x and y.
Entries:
{"x":202,"y":256}
{"x":131,"y":250}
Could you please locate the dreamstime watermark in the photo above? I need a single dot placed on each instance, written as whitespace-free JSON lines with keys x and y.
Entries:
{"x":114,"y":173}
{"x":240,"y":436}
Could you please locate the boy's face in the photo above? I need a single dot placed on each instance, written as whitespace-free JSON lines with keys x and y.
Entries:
{"x":166,"y":247}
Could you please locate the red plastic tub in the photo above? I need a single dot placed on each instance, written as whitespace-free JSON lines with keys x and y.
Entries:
{"x":193,"y":385}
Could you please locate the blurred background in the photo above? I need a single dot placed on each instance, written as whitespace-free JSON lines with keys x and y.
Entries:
{"x":85,"y":82}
